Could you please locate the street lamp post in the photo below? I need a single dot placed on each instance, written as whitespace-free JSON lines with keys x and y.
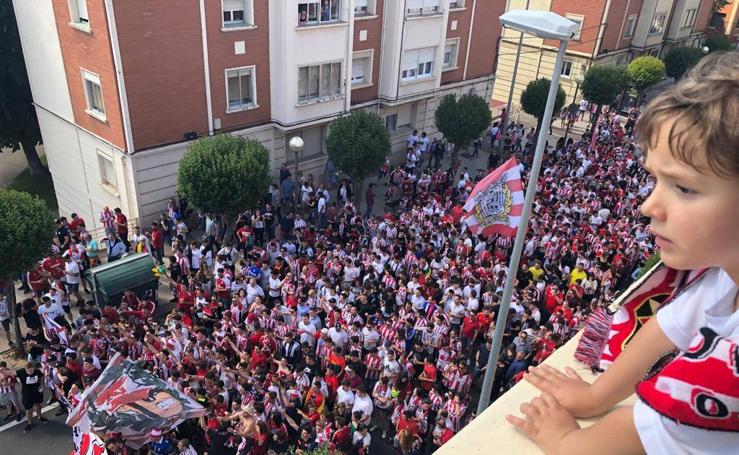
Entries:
{"x":578,"y":80}
{"x":509,"y":105}
{"x":296,"y":144}
{"x":543,"y":24}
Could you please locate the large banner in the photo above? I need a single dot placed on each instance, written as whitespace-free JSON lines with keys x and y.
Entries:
{"x":131,"y":401}
{"x":495,"y":204}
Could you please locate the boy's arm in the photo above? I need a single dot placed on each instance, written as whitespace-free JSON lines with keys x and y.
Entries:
{"x":557,"y":432}
{"x":613,"y":386}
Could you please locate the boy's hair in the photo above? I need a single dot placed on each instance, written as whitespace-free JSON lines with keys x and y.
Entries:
{"x":705,"y":109}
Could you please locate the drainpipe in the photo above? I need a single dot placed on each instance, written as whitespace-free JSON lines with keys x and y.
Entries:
{"x":469,"y":40}
{"x":118,"y":63}
{"x":206,"y":66}
{"x":601,"y":29}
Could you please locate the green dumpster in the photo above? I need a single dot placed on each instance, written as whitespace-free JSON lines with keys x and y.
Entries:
{"x":133,"y":272}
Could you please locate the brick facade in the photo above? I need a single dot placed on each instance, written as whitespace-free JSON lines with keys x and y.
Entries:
{"x":92,"y":52}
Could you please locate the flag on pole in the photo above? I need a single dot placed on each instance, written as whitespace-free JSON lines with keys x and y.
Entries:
{"x":495,"y":204}
{"x":53,"y":330}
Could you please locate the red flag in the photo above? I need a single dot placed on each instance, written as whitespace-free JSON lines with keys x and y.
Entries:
{"x":495,"y":204}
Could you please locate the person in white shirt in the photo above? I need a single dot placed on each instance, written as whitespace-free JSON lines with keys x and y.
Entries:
{"x":361,"y":437}
{"x":50,"y":308}
{"x":363,"y":403}
{"x":412,"y":138}
{"x":253,"y":290}
{"x":338,"y":335}
{"x":344,"y":394}
{"x":307,"y":330}
{"x":72,"y":277}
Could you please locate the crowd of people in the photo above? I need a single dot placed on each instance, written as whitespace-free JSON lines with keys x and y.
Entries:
{"x":304,"y":327}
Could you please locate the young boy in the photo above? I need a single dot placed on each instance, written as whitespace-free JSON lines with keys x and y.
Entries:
{"x":691,"y":404}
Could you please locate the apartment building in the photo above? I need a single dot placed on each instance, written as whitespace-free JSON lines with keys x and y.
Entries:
{"x":611,"y":31}
{"x":122,"y":87}
{"x":727,"y":20}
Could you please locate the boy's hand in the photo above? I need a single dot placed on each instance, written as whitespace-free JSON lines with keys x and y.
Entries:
{"x":570,"y":390}
{"x":546,"y":422}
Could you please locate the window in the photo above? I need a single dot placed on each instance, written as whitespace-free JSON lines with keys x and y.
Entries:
{"x":319,"y":81}
{"x":566,"y":68}
{"x":419,"y":7}
{"x":362,"y":68}
{"x":417,"y":64}
{"x":364,"y":7}
{"x":391,"y":123}
{"x":578,"y":20}
{"x":241,"y":88}
{"x":78,"y":13}
{"x":450,"y":54}
{"x":689,"y":18}
{"x":456,"y":4}
{"x":318,"y":12}
{"x":237,"y":13}
{"x":630,"y":24}
{"x":93,"y":94}
{"x":107,"y":170}
{"x":658,"y":24}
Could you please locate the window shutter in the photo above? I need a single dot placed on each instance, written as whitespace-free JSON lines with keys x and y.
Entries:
{"x":410,"y":60}
{"x":426,"y":55}
{"x":233,"y":5}
{"x":82,"y":10}
{"x":358,"y":70}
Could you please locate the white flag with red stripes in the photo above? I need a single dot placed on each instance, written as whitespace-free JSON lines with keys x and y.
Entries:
{"x":496,"y":202}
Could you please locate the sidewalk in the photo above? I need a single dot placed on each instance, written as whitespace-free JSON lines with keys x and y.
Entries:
{"x":472,"y":164}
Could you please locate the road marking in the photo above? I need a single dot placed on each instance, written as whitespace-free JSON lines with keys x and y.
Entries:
{"x":10,"y":425}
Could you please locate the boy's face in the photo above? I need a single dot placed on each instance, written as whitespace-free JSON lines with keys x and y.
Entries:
{"x":692,"y":212}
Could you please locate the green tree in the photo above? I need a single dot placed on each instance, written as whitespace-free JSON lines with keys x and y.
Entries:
{"x":462,"y":120}
{"x":645,"y":71}
{"x":26,"y":233}
{"x":224,"y":174}
{"x":681,"y":59}
{"x":534,"y":101}
{"x":357,"y":144}
{"x":602,"y":84}
{"x":18,"y":123}
{"x":718,"y":42}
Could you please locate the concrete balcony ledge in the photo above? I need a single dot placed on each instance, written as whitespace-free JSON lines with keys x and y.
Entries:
{"x":491,"y":433}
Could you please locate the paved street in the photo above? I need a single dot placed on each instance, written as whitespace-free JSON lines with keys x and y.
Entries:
{"x":55,"y":437}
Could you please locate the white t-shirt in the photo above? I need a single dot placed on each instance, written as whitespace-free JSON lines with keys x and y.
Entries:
{"x":709,"y":303}
{"x":71,"y":268}
{"x":363,"y":404}
{"x":345,"y":396}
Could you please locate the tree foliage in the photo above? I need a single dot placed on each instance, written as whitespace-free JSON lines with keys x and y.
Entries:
{"x":224,"y":174}
{"x":645,"y":71}
{"x":26,"y":231}
{"x":534,"y":98}
{"x":357,"y":144}
{"x":462,"y":120}
{"x":18,"y":122}
{"x":718,"y":42}
{"x":680,"y":59}
{"x":602,"y":83}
